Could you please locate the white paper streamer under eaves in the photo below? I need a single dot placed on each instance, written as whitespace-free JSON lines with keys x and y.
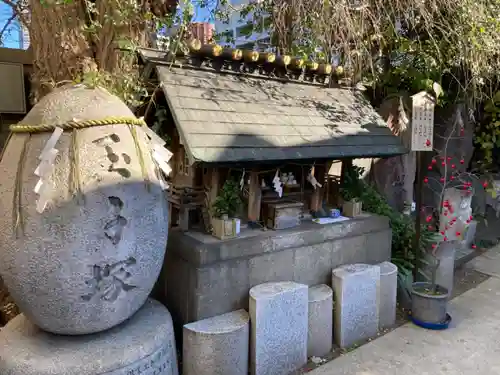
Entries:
{"x":160,"y":154}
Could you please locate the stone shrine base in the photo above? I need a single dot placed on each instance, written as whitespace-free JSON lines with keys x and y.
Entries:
{"x":204,"y":277}
{"x":143,"y":345}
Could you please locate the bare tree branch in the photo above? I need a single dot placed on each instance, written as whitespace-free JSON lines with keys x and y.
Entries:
{"x":18,"y":9}
{"x":6,"y":26}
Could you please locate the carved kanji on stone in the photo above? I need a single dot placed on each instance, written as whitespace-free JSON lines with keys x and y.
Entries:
{"x":110,"y":280}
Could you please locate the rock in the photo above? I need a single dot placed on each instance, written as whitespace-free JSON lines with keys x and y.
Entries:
{"x":455,"y":218}
{"x":470,"y":234}
{"x":446,"y":270}
{"x":319,"y":339}
{"x":279,"y":316}
{"x":218,"y":345}
{"x":144,"y":345}
{"x":388,"y":294}
{"x":492,"y":196}
{"x":454,"y":144}
{"x":394,"y":177}
{"x":88,"y":261}
{"x":356,"y":288}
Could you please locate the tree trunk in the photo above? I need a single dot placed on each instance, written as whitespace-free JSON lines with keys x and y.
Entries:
{"x":61,"y":47}
{"x":72,"y":39}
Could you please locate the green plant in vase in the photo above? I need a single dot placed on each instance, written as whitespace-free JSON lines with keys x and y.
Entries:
{"x":228,"y":202}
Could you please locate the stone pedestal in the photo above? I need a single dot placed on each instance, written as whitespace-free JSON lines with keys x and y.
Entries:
{"x":388,"y":294}
{"x":469,"y":235}
{"x":279,"y":316}
{"x":446,"y":270}
{"x":144,"y":345}
{"x":356,"y":288}
{"x":454,"y":218}
{"x":218,"y":345}
{"x":226,"y":270}
{"x":319,"y":338}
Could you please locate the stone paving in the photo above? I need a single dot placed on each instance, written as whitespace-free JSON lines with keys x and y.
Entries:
{"x":470,"y":346}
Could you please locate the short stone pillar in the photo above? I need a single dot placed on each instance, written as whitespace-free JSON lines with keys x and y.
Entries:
{"x":279,"y":320}
{"x":144,"y":344}
{"x":388,"y":294}
{"x":218,"y":345}
{"x":356,"y":288}
{"x":319,"y":338}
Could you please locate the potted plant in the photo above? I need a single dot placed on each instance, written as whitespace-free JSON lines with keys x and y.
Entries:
{"x":351,"y":191}
{"x":454,"y":187}
{"x":429,"y":300}
{"x":352,"y":207}
{"x":226,"y":206}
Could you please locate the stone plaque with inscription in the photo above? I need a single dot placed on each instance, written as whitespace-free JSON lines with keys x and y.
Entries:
{"x":356,"y":288}
{"x":144,"y":345}
{"x":84,"y":225}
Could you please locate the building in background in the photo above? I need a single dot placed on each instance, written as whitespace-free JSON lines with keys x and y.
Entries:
{"x":237,"y":27}
{"x":24,"y":36}
{"x":202,"y":31}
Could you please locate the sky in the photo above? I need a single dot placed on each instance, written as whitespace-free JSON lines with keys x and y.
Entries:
{"x":203,"y":15}
{"x":11,"y":36}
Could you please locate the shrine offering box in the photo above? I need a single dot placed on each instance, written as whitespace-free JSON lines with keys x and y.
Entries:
{"x":284,"y":215}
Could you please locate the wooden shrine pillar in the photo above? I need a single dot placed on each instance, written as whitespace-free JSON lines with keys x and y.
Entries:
{"x":346,"y":165}
{"x":211,"y":181}
{"x":254,"y":197}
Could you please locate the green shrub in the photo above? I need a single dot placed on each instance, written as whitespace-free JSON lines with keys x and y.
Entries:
{"x":403,"y":226}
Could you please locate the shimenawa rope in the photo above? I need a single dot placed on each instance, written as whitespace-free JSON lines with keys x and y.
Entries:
{"x":73,"y":124}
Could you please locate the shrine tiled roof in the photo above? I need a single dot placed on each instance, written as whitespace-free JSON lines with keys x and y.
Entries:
{"x":224,"y":116}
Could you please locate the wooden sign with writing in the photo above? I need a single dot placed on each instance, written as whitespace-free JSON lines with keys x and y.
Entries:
{"x":422,"y":124}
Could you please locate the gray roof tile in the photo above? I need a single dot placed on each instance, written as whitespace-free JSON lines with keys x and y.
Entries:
{"x":224,"y":117}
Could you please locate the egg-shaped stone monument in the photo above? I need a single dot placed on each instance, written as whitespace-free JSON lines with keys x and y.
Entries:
{"x":83,"y":217}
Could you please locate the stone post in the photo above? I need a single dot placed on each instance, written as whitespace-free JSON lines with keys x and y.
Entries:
{"x":218,"y":345}
{"x":319,"y":339}
{"x":279,"y":316}
{"x":356,"y":288}
{"x":388,"y":294}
